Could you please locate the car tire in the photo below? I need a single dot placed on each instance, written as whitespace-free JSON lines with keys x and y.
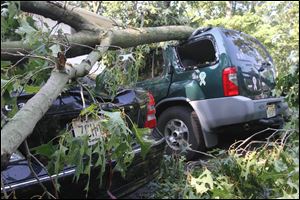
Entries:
{"x":180,"y":124}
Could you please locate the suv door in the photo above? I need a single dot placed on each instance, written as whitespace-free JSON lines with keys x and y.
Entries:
{"x":155,"y":77}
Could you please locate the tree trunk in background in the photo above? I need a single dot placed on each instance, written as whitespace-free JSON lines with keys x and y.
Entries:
{"x":230,"y":8}
{"x":167,"y":4}
{"x":252,"y":6}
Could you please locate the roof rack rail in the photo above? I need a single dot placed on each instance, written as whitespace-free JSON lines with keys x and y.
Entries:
{"x":198,"y":31}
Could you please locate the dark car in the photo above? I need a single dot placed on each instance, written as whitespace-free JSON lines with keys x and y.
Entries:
{"x":215,"y":79}
{"x":138,"y":105}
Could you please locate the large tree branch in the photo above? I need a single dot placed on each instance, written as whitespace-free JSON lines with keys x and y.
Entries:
{"x":78,"y":18}
{"x":98,"y":20}
{"x":58,"y":12}
{"x":122,"y":38}
{"x":23,"y":123}
{"x":85,"y":38}
{"x":133,"y":37}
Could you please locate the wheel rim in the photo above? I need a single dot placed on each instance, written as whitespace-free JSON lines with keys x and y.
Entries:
{"x":176,"y":134}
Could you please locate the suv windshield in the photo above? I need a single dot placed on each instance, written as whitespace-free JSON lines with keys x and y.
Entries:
{"x":247,"y":48}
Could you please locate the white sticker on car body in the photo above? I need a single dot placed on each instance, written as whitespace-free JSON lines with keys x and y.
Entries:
{"x":254,"y":83}
{"x":202,"y":77}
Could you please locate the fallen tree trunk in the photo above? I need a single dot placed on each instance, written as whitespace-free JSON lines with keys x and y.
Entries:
{"x":120,"y":38}
{"x":23,"y":123}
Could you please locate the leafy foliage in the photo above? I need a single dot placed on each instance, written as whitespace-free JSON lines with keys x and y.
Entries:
{"x":26,"y":74}
{"x":9,"y":14}
{"x":115,"y":143}
{"x":267,"y":171}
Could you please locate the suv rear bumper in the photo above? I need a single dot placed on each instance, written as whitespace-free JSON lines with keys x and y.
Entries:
{"x":224,"y":111}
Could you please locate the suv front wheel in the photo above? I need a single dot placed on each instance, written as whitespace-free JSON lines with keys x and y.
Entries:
{"x":182,"y":131}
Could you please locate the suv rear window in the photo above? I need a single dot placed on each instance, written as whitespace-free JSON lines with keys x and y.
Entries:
{"x":245,"y":47}
{"x":199,"y":53}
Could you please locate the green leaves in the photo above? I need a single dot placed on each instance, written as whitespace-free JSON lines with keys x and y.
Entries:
{"x":32,"y":89}
{"x":140,"y":134}
{"x":115,"y":143}
{"x":25,"y":28}
{"x":119,"y":140}
{"x":9,"y":20}
{"x":46,"y":150}
{"x":55,"y":49}
{"x":92,"y":109}
{"x":268,"y":171}
{"x":203,"y":183}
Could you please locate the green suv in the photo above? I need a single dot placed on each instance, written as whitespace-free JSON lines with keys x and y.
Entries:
{"x":215,"y":79}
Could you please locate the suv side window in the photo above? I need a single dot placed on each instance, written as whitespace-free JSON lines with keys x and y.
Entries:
{"x":154,"y":65}
{"x":199,"y":53}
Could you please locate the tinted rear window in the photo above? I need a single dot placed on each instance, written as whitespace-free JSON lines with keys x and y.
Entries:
{"x":245,"y":47}
{"x":199,"y":53}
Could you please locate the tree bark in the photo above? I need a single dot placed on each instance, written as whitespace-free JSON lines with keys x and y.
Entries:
{"x":58,"y":12}
{"x":121,"y":38}
{"x":228,"y":9}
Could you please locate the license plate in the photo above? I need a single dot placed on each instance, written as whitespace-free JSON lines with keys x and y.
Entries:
{"x":90,"y":127}
{"x":271,"y":110}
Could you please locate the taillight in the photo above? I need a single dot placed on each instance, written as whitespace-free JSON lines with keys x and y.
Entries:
{"x":230,"y":84}
{"x":150,"y":117}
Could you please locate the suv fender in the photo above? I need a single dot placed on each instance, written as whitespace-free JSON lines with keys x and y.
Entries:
{"x":210,"y":139}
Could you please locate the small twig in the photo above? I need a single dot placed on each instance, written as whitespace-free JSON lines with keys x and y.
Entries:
{"x":98,"y":7}
{"x":201,"y":152}
{"x":59,"y":43}
{"x":41,"y":164}
{"x":33,"y":172}
{"x":82,"y":97}
{"x":4,"y":190}
{"x":94,"y":100}
{"x":110,"y":175}
{"x":37,"y":196}
{"x":26,"y":56}
{"x":281,"y":142}
{"x":251,"y":143}
{"x":246,"y":140}
{"x":191,"y":164}
{"x":11,"y":80}
{"x":68,"y":44}
{"x":30,"y":53}
{"x":50,"y":32}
